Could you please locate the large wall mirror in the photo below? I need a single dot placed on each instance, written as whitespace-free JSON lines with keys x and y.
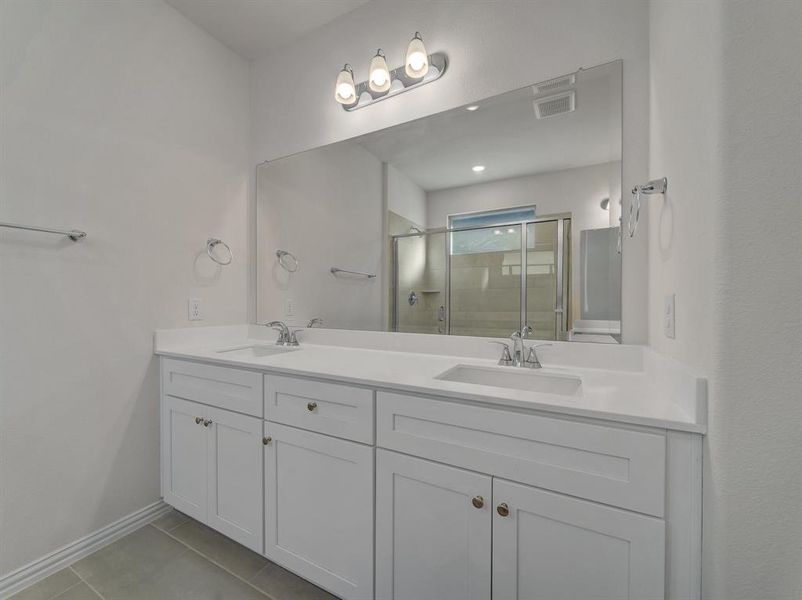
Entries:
{"x":477,"y":221}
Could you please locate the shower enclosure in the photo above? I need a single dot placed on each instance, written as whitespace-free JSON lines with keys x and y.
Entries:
{"x":476,"y":279}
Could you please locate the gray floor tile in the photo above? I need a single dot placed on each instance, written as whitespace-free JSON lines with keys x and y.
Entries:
{"x":48,"y":587}
{"x":78,"y":592}
{"x":189,"y":577}
{"x":127,"y":563}
{"x":171,"y":520}
{"x":283,"y":585}
{"x":224,"y":551}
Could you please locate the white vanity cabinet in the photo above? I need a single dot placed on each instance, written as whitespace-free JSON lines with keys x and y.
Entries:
{"x":379,"y":494}
{"x":212,"y":458}
{"x":319,"y":508}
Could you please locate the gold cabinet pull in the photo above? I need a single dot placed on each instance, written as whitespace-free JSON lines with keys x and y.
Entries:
{"x":198,"y":420}
{"x":267,"y":440}
{"x":503,"y":509}
{"x":478,"y":501}
{"x":311,"y":406}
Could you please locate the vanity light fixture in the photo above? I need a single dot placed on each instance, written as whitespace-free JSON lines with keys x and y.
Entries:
{"x":379,"y":75}
{"x":417,"y":60}
{"x":345,"y":89}
{"x":478,"y":168}
{"x":419,"y":68}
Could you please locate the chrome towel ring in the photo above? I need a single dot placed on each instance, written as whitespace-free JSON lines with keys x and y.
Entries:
{"x":655,"y":186}
{"x":211,"y":243}
{"x":287,"y":261}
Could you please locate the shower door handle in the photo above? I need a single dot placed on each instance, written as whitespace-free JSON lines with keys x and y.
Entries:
{"x":441,"y":313}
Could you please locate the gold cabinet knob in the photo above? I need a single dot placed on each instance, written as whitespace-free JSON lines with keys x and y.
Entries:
{"x":207,"y":422}
{"x":198,"y":420}
{"x":311,"y":406}
{"x":503,"y":509}
{"x":478,"y":501}
{"x":267,"y":440}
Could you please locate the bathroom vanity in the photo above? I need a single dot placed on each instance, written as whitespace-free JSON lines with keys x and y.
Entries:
{"x":374,"y":472}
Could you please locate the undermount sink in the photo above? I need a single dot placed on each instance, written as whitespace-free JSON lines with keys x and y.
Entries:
{"x":515,"y":378}
{"x":256,"y":351}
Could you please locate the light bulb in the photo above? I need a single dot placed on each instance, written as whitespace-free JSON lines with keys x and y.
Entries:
{"x":417,"y":62}
{"x":344,"y":89}
{"x":379,"y":74}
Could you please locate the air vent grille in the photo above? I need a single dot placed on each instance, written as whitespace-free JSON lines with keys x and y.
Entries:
{"x":555,"y":105}
{"x":553,"y":85}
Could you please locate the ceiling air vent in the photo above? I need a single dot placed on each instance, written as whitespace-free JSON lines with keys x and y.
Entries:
{"x":555,"y":105}
{"x":553,"y":85}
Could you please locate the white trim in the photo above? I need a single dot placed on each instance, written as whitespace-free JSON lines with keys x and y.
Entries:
{"x":66,"y":555}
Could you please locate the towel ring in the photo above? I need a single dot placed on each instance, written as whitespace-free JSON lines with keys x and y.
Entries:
{"x":211,"y":243}
{"x":287,"y":261}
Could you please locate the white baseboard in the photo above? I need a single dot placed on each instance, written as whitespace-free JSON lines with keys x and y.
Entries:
{"x":63,"y":557}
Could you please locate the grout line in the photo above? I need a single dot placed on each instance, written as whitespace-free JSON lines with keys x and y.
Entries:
{"x":89,"y":585}
{"x":217,"y":564}
{"x":57,"y":594}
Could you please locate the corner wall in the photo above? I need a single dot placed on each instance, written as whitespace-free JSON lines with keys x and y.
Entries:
{"x":726,"y":128}
{"x":125,"y":120}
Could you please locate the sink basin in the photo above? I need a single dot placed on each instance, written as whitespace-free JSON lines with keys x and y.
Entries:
{"x":515,"y":378}
{"x":256,"y":351}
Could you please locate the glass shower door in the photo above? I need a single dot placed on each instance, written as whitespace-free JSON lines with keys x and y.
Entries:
{"x":546,"y":280}
{"x":419,"y":294}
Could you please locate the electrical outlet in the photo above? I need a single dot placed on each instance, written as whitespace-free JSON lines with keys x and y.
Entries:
{"x":194,"y":309}
{"x":668,"y":316}
{"x":289,"y":307}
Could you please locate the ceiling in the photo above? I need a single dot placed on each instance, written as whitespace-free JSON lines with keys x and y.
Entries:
{"x":252,"y":28}
{"x":504,"y":135}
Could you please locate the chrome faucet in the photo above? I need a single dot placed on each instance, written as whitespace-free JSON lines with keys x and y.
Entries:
{"x":316,"y":321}
{"x":518,"y":348}
{"x":284,"y":333}
{"x":519,"y":355}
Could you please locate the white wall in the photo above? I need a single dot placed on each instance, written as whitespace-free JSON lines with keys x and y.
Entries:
{"x":493,"y":47}
{"x":122,"y":119}
{"x":727,"y":134}
{"x":405,"y":198}
{"x":326,"y":207}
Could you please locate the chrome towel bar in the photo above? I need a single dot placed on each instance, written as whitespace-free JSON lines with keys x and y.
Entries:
{"x":73,"y":234}
{"x":335,"y":271}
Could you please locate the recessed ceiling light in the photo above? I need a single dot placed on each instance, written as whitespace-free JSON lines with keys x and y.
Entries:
{"x":497,"y":232}
{"x":472,"y":107}
{"x":478,"y":168}
{"x":510,"y":230}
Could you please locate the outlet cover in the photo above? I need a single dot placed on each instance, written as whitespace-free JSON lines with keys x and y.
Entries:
{"x":669,"y":316}
{"x":194,"y":309}
{"x":289,"y":307}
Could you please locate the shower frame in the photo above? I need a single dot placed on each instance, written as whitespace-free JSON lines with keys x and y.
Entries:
{"x":561,"y":312}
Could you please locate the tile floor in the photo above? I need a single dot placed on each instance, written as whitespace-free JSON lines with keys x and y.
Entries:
{"x":173,"y":557}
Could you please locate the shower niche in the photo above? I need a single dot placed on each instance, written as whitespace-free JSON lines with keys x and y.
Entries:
{"x":477,"y":221}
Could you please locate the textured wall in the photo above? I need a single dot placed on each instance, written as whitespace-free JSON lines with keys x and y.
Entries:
{"x":125,"y":120}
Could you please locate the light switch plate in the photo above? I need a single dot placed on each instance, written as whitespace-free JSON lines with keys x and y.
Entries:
{"x":194,"y":309}
{"x":669,"y":316}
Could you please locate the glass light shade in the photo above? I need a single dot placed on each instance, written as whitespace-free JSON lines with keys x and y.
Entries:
{"x":417,"y":61}
{"x":344,"y":89}
{"x":379,"y":74}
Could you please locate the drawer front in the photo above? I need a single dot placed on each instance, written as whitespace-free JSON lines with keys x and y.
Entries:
{"x":615,"y":466}
{"x":330,"y":408}
{"x":231,"y":389}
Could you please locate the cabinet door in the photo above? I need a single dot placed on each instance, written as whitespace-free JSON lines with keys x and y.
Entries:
{"x":554,"y":547}
{"x":235,"y":476}
{"x":184,"y":456}
{"x":319,"y":509}
{"x":433,"y":528}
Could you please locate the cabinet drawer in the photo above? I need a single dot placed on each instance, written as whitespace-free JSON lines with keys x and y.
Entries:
{"x":330,"y":408}
{"x":232,"y":389}
{"x":612,"y":465}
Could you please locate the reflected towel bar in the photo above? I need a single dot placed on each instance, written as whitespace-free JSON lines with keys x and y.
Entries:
{"x":335,"y":270}
{"x":73,"y":234}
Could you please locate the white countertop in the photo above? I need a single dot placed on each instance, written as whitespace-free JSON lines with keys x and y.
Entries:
{"x":655,"y":395}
